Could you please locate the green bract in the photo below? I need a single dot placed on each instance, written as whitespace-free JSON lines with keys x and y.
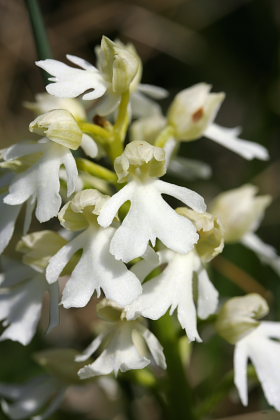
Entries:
{"x":240,"y":315}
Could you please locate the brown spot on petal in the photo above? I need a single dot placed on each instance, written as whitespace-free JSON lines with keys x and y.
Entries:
{"x":197,"y":115}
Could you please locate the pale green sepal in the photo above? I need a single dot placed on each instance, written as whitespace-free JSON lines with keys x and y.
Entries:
{"x":60,"y":363}
{"x":140,"y":159}
{"x":239,"y":316}
{"x":211,"y":237}
{"x":59,"y":126}
{"x":118,"y":63}
{"x":39,"y":247}
{"x":240,"y":211}
{"x":192,"y":111}
{"x":82,"y":210}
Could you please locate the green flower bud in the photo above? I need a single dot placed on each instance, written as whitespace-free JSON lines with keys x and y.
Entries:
{"x":82,"y":210}
{"x":239,"y":316}
{"x":239,"y":211}
{"x":211,"y":238}
{"x":59,"y":126}
{"x":140,"y":159}
{"x":193,"y":110}
{"x":38,"y":247}
{"x":118,"y":64}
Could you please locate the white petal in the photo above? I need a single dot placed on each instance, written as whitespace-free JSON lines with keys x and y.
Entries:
{"x":227,"y":138}
{"x":61,"y":258}
{"x":240,"y":371}
{"x":264,"y":354}
{"x":266,"y":253}
{"x":108,"y":104}
{"x":90,"y":349}
{"x":52,"y":406}
{"x":71,"y":172}
{"x":23,"y":149}
{"x":53,"y":305}
{"x":207,"y":295}
{"x":154,"y":346}
{"x":48,"y":185}
{"x":173,"y":288}
{"x":112,"y":206}
{"x":189,"y":169}
{"x":155,"y":92}
{"x":20,"y":310}
{"x":14,"y":272}
{"x":187,"y":196}
{"x":119,"y":355}
{"x":98,"y":269}
{"x":270,"y":329}
{"x":34,"y":396}
{"x":149,"y":217}
{"x":71,"y":82}
{"x":21,"y":188}
{"x":143,"y":107}
{"x":89,"y":146}
{"x":84,"y":64}
{"x":8,"y":219}
{"x":29,"y":209}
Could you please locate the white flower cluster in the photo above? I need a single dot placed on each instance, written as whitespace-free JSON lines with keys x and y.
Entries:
{"x":125,"y":242}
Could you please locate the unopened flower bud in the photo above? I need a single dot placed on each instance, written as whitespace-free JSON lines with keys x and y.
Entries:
{"x":118,"y":64}
{"x":140,"y":159}
{"x":240,"y":211}
{"x":59,"y":126}
{"x":239,"y":316}
{"x":38,"y":247}
{"x":193,"y":110}
{"x":211,"y":238}
{"x":82,"y":209}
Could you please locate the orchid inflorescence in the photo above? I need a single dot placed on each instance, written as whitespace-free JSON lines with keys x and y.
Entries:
{"x":118,"y":238}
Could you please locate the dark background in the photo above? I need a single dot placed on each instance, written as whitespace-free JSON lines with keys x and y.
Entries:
{"x":231,"y":44}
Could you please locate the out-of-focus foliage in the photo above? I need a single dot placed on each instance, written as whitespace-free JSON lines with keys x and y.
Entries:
{"x":234,"y":46}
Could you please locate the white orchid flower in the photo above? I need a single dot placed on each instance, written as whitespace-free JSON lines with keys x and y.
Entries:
{"x":40,"y":183}
{"x":173,"y":288}
{"x":149,"y":216}
{"x":36,"y":400}
{"x":260,"y":346}
{"x":241,"y":212}
{"x":192,"y":115}
{"x":21,"y":296}
{"x":128,"y":345}
{"x":97,"y":269}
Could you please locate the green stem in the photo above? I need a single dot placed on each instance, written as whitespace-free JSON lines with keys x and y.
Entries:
{"x":164,"y":136}
{"x":39,"y":32}
{"x":96,"y":170}
{"x":100,"y":134}
{"x":178,"y":392}
{"x":121,"y":124}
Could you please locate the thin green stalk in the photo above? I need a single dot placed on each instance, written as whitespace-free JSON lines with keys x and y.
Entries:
{"x":164,"y":136}
{"x":96,"y":170}
{"x":39,"y":32}
{"x":100,"y":134}
{"x":178,"y":391}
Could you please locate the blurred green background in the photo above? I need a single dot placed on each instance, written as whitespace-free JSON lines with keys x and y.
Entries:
{"x":231,"y":44}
